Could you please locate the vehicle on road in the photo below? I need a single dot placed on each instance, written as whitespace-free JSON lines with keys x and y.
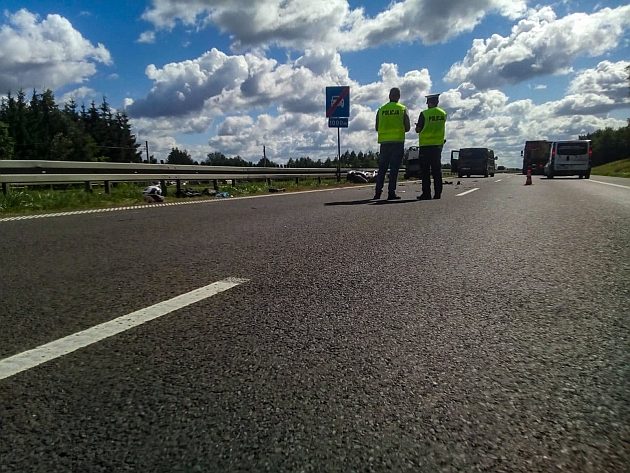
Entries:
{"x":569,"y":158}
{"x":476,"y":161}
{"x":535,"y":156}
{"x":412,"y":162}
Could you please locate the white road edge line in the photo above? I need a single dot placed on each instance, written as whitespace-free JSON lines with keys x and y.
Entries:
{"x":49,"y":351}
{"x":498,"y":180}
{"x":170,"y":204}
{"x":468,"y":192}
{"x":607,"y":183}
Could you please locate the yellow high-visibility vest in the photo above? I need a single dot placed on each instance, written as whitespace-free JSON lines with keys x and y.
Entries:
{"x":391,"y":122}
{"x":433,"y":131}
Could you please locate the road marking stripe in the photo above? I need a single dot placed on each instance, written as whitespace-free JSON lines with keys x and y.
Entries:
{"x":31,"y":358}
{"x":498,"y":180}
{"x":608,"y":183}
{"x":467,"y":192}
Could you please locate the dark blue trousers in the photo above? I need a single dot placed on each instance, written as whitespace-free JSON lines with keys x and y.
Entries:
{"x":391,"y":156}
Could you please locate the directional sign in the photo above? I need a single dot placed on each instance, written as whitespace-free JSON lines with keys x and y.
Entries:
{"x":334,"y":122}
{"x":338,"y":101}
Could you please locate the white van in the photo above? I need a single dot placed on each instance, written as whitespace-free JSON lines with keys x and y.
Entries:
{"x":569,"y":158}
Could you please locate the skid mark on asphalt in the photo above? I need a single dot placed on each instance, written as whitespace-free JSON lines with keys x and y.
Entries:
{"x":31,"y":358}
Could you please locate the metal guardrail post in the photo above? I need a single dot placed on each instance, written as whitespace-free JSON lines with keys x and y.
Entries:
{"x":163,"y":186}
{"x":5,"y":188}
{"x":107,"y":187}
{"x":88,"y":186}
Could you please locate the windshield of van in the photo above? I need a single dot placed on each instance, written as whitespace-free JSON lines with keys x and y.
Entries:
{"x":572,"y":148}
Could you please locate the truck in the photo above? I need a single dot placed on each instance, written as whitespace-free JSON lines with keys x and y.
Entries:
{"x":535,"y":156}
{"x":475,"y":161}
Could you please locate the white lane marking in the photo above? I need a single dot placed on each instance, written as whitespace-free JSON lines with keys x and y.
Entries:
{"x":467,"y":192}
{"x":498,"y":180}
{"x":170,"y":204}
{"x":49,"y":351}
{"x":608,"y":183}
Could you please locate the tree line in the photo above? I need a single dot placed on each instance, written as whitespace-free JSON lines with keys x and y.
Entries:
{"x":348,"y":159}
{"x":39,"y":129}
{"x":609,"y":144}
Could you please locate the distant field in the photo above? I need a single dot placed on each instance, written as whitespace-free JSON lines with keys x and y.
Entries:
{"x":619,"y":168}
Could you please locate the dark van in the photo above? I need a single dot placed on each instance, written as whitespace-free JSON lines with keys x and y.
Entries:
{"x":476,"y":161}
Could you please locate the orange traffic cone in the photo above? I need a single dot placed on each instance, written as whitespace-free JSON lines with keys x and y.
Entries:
{"x":528,"y":181}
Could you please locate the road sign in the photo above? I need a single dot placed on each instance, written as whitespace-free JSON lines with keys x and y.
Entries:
{"x":341,"y":122}
{"x":338,"y":101}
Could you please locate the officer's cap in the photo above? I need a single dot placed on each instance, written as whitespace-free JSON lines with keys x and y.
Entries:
{"x":433,"y":97}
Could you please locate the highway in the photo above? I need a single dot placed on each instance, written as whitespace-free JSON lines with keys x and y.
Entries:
{"x":318,"y":332}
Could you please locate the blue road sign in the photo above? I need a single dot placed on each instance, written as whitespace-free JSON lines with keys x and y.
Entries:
{"x":338,"y":101}
{"x":338,"y":122}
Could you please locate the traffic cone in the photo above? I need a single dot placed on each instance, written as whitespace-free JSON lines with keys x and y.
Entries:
{"x":528,"y":181}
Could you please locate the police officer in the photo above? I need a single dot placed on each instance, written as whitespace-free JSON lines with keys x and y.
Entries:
{"x":392,"y":122}
{"x":430,"y":129}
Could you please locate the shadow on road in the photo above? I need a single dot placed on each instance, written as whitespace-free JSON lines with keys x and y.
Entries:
{"x":370,"y":202}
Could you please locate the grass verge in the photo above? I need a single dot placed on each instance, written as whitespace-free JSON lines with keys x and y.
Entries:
{"x":619,"y":168}
{"x":37,"y":199}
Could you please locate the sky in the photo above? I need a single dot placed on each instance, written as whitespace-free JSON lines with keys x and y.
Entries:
{"x":232,"y":76}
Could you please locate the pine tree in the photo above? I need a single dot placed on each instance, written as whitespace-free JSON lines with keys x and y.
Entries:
{"x":177,"y":156}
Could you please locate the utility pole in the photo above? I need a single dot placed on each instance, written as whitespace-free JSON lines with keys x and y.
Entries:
{"x":265,"y":162}
{"x":146,"y":147}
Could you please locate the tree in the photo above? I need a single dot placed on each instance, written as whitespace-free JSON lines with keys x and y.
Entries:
{"x":177,"y":156}
{"x":266,"y":163}
{"x":7,"y":144}
{"x":219,"y":159}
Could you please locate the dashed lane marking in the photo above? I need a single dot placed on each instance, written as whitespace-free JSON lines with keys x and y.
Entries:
{"x":467,"y":192}
{"x":498,"y":180}
{"x":44,"y":353}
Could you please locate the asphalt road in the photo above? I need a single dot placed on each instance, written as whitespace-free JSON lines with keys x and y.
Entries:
{"x":481,"y":332}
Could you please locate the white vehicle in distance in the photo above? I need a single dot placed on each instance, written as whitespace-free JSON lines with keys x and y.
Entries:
{"x":569,"y":158}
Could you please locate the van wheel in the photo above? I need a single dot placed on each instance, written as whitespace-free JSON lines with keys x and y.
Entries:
{"x":580,"y":176}
{"x":467,"y":175}
{"x":491,"y":175}
{"x":588,"y":175}
{"x":459,"y":174}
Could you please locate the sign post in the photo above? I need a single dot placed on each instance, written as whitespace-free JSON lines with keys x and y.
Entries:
{"x":337,"y":112}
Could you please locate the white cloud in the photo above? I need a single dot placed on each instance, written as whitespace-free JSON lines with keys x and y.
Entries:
{"x":45,"y":54}
{"x":540,"y":44}
{"x":147,"y":37}
{"x":299,"y":24}
{"x":608,"y":78}
{"x":80,"y":95}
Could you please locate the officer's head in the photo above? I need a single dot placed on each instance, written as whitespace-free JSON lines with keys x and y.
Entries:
{"x":433,"y":100}
{"x":394,"y":94}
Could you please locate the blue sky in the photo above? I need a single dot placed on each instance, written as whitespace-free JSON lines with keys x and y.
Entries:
{"x":234,"y":75}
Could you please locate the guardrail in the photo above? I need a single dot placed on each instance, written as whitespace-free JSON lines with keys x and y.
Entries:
{"x":55,"y":172}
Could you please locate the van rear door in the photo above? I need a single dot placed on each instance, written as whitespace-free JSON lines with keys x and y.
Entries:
{"x":572,"y":156}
